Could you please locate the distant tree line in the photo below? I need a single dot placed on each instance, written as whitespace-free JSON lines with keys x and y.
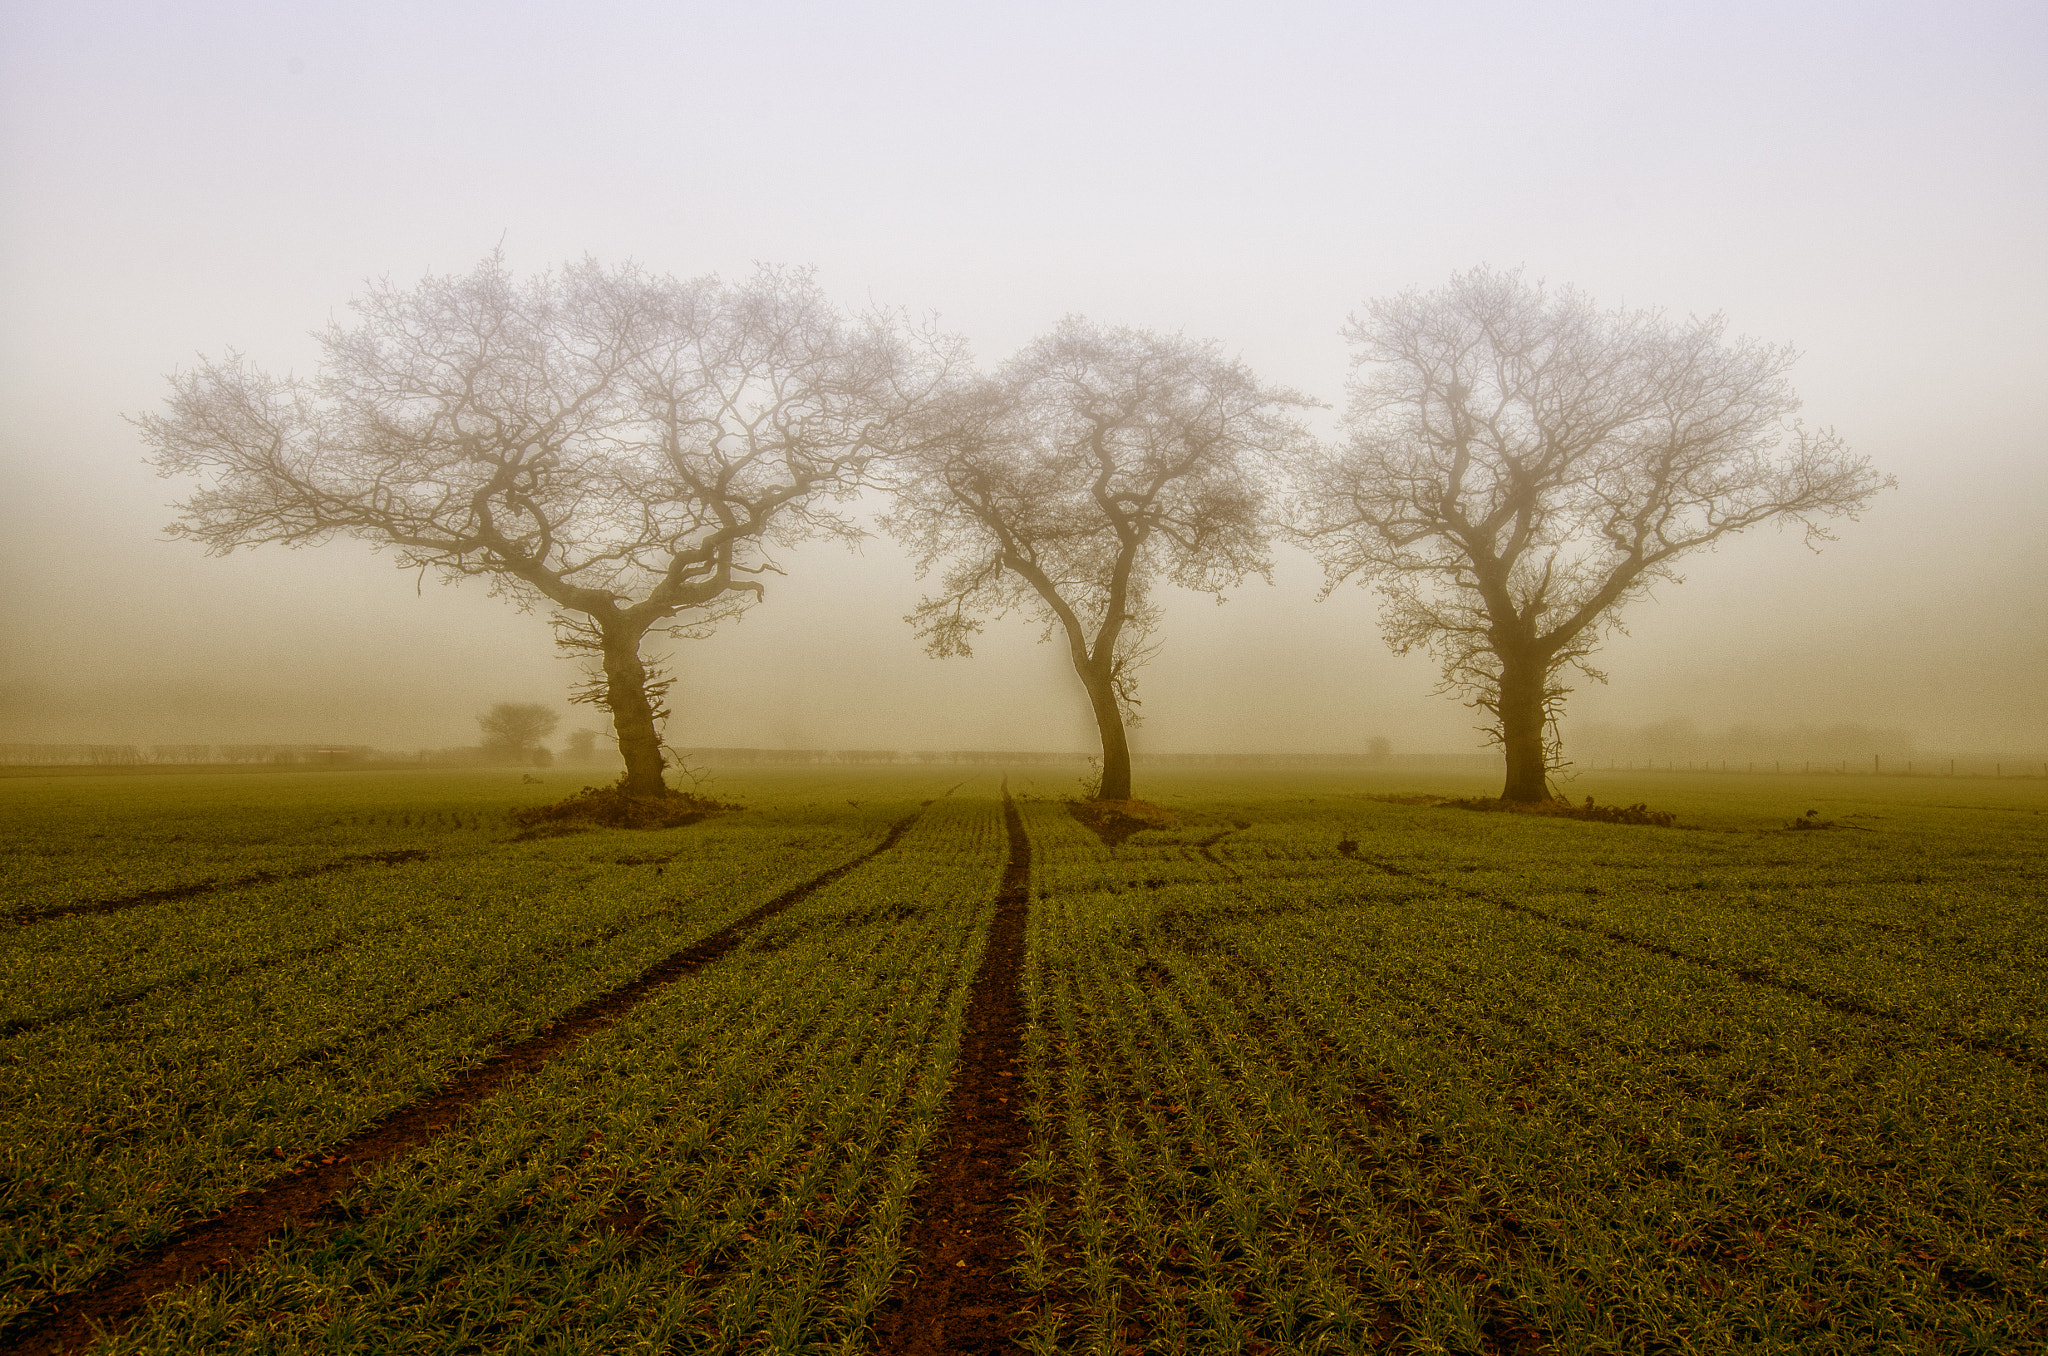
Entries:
{"x":1685,"y":739}
{"x":280,"y":755}
{"x":140,"y":755}
{"x":626,"y":450}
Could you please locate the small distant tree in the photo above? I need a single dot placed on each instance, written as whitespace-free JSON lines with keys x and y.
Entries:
{"x":1521,"y":465}
{"x":514,"y":730}
{"x":619,"y":447}
{"x":1096,"y":464}
{"x":582,"y":746}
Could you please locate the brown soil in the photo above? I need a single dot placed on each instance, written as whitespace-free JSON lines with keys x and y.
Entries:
{"x":302,"y":1193}
{"x":609,"y":807}
{"x":1113,"y":821}
{"x":205,"y":887}
{"x":960,"y":1296}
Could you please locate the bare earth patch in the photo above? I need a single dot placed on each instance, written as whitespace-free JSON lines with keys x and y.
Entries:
{"x":610,"y":807}
{"x":1811,"y":820}
{"x":1115,"y":820}
{"x":960,"y":1298}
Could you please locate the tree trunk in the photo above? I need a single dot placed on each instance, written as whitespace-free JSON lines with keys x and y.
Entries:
{"x":1116,"y":750}
{"x":632,"y":715}
{"x":1522,"y":680}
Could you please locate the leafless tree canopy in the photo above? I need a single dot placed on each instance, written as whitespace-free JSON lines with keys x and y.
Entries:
{"x":621,"y":446}
{"x":516,"y":727}
{"x":1520,"y":465}
{"x":1096,"y":464}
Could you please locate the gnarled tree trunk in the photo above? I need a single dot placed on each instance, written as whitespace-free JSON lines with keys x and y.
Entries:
{"x":632,"y":713}
{"x":1522,"y":717}
{"x":1109,"y":722}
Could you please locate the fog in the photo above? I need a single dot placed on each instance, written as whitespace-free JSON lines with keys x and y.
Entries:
{"x":1869,"y":182}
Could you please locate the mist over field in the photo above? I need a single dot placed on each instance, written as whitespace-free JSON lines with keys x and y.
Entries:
{"x":936,"y":678}
{"x":1868,"y":184}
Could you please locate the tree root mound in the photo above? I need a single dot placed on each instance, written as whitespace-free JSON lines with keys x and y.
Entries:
{"x":610,"y":807}
{"x":1638,"y":813}
{"x":1811,"y":820}
{"x":1113,"y":821}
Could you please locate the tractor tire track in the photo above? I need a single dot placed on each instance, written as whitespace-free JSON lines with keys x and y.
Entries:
{"x":1206,"y":850}
{"x":217,"y":1244}
{"x":960,"y":1296}
{"x":207,"y":887}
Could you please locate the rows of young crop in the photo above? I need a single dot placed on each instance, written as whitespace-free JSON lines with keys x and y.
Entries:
{"x":97,"y":839}
{"x":1183,"y":1193}
{"x":1310,"y":1104}
{"x":727,"y":1168}
{"x":86,"y":841}
{"x":1872,"y":921}
{"x":63,"y":967}
{"x":1747,"y":1161}
{"x":167,"y":1058}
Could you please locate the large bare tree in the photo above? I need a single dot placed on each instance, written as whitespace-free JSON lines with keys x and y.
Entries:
{"x":1096,"y":464}
{"x":617,"y":446}
{"x":1521,"y":464}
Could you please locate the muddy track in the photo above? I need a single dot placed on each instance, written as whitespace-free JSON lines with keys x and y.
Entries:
{"x":1833,"y":1002}
{"x":960,"y":1296}
{"x":207,"y":887}
{"x":308,"y":1188}
{"x":1206,"y":849}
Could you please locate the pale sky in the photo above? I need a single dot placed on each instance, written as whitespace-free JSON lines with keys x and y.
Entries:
{"x":1867,"y":181}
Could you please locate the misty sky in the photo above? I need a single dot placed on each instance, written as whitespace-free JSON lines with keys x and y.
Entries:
{"x":1867,"y":181}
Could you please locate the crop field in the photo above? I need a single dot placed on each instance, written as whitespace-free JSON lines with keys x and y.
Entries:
{"x":338,"y":1062}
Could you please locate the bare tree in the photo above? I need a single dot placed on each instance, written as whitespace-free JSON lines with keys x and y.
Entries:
{"x":1520,"y":465}
{"x":1097,"y":463}
{"x":515,"y":729}
{"x":618,"y":446}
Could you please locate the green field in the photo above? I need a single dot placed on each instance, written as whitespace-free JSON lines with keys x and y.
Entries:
{"x":1306,"y":1071}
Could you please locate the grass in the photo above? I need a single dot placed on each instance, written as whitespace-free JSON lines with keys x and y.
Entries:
{"x":728,"y":1168}
{"x":1288,"y":1099}
{"x":163,"y":1059}
{"x":1475,"y":1082}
